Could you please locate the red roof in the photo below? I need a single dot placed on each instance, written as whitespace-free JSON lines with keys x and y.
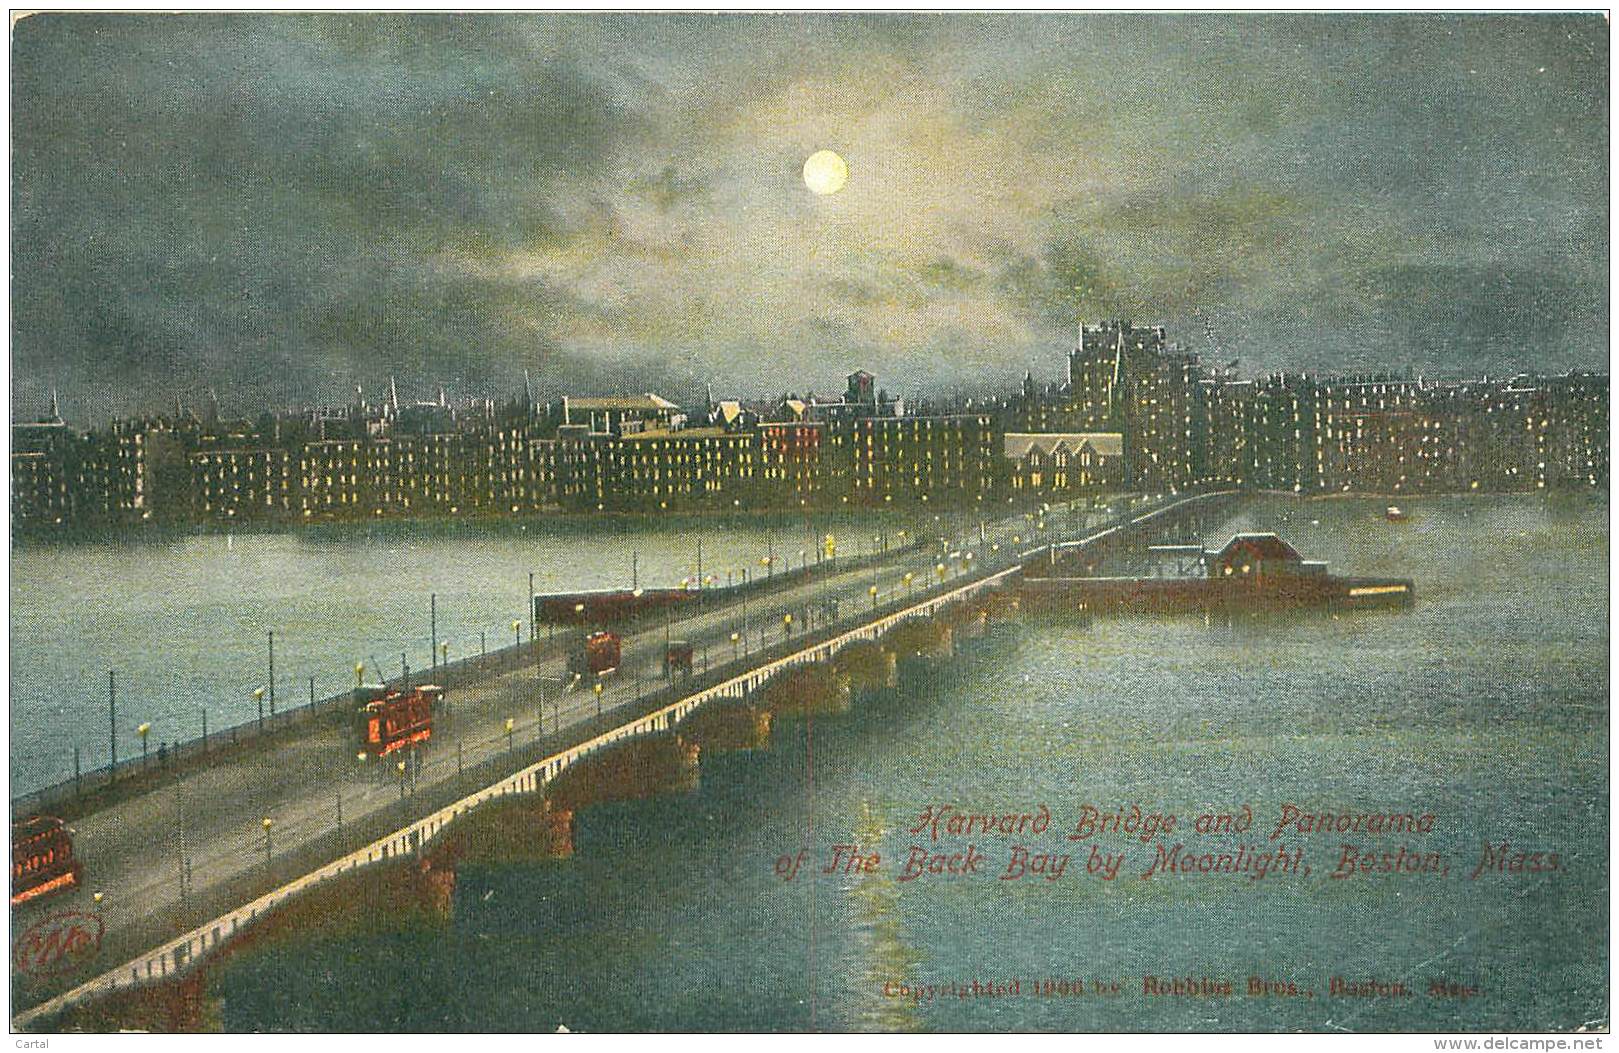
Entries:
{"x":1268,"y":547}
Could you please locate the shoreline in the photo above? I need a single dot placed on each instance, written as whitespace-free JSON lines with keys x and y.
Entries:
{"x":495,"y":524}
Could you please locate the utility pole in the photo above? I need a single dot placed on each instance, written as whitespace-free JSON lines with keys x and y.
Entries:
{"x":112,"y":719}
{"x":185,"y":861}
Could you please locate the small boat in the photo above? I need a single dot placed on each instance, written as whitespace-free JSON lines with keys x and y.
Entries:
{"x":1394,"y":514}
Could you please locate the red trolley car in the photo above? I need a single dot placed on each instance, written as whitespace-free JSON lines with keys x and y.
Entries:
{"x":391,"y":720}
{"x":599,"y":653}
{"x":42,"y":860}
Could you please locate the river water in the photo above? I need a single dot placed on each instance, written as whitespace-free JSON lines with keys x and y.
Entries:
{"x":185,"y":623}
{"x":1484,"y":707}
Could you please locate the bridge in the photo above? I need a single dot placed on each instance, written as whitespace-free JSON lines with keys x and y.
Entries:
{"x":577,"y":739}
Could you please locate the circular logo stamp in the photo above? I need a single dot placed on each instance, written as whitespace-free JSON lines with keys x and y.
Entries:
{"x":57,"y":943}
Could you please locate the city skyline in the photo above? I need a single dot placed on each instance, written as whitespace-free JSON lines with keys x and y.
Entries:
{"x":1002,"y":393}
{"x":1137,"y":410}
{"x":614,"y":203}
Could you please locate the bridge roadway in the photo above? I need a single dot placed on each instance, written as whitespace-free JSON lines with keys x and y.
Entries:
{"x":209,"y":822}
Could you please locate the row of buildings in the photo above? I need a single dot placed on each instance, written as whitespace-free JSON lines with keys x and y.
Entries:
{"x":1134,"y":412}
{"x":1180,"y":424}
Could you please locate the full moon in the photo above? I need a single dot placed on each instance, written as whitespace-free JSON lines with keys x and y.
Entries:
{"x":825,"y":172}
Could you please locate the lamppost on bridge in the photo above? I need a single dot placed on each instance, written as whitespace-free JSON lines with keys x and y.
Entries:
{"x":908,"y":577}
{"x":143,"y":730}
{"x":873,"y":591}
{"x":267,"y":822}
{"x":735,"y":653}
{"x":510,"y":723}
{"x":401,"y":767}
{"x":786,"y":625}
{"x":258,"y":696}
{"x":598,"y":690}
{"x":359,"y":674}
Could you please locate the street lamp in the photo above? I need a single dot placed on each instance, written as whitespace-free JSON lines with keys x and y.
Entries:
{"x":873,"y":591}
{"x":143,"y":731}
{"x":735,"y":654}
{"x":908,"y":576}
{"x":509,"y":725}
{"x":786,"y":625}
{"x":359,"y":674}
{"x":598,"y":706}
{"x":258,"y":696}
{"x":517,"y":632}
{"x":267,"y":822}
{"x":401,"y":767}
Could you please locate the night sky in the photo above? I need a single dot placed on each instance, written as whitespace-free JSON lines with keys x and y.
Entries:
{"x":285,"y":206}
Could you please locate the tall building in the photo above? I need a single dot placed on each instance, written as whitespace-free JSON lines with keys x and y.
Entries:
{"x":953,"y":458}
{"x":1129,"y":379}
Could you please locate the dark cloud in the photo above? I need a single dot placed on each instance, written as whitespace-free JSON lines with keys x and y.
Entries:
{"x":285,"y":206}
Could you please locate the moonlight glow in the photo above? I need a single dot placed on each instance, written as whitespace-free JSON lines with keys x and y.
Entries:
{"x":825,"y":172}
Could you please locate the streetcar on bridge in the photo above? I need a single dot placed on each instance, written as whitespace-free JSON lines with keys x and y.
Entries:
{"x":392,"y":719}
{"x":42,"y":861}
